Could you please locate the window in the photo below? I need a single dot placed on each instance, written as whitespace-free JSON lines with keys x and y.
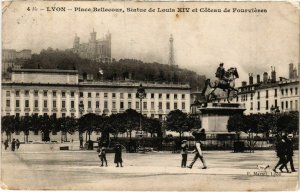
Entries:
{"x":80,"y":94}
{"x":175,"y":96}
{"x":97,"y":104}
{"x":63,"y":115}
{"x":54,"y":115}
{"x":275,"y":102}
{"x":291,"y":90}
{"x":258,"y":105}
{"x":18,"y":114}
{"x":122,"y":105}
{"x":286,"y":105}
{"x":45,"y":103}
{"x":129,"y":95}
{"x":105,"y":105}
{"x":137,"y":105}
{"x":45,"y":93}
{"x":175,"y":105}
{"x":72,"y":93}
{"x":89,"y":94}
{"x":89,"y":104}
{"x":275,"y":94}
{"x":183,"y":96}
{"x":168,"y":105}
{"x":152,"y":105}
{"x":7,"y":103}
{"x":7,"y":93}
{"x":282,"y":105}
{"x":63,"y":104}
{"x":17,"y":103}
{"x":251,"y":96}
{"x":237,"y":98}
{"x":258,"y":95}
{"x":27,"y":93}
{"x":113,"y":105}
{"x":72,"y":104}
{"x":251,"y":106}
{"x":183,"y":105}
{"x":160,"y":105}
{"x":286,"y":91}
{"x":63,"y":94}
{"x":267,"y":105}
{"x":72,"y":115}
{"x":113,"y":95}
{"x":296,"y":90}
{"x":17,"y":93}
{"x":26,"y":103}
{"x":54,"y":93}
{"x":168,"y":96}
{"x":291,"y":104}
{"x":267,"y":93}
{"x":129,"y":105}
{"x":160,"y":96}
{"x":36,"y":93}
{"x":296,"y":104}
{"x":145,"y":105}
{"x":152,"y":95}
{"x":36,"y":103}
{"x":282,"y":92}
{"x":26,"y":114}
{"x":54,"y":104}
{"x":121,"y":95}
{"x":105,"y":95}
{"x":97,"y":94}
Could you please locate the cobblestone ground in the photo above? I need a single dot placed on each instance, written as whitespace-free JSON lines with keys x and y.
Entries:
{"x":36,"y":167}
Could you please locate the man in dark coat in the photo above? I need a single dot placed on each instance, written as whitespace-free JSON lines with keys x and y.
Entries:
{"x":184,"y":153}
{"x":220,"y":71}
{"x":13,"y":145}
{"x":281,"y":154}
{"x":289,"y":152}
{"x":6,"y":144}
{"x":118,"y":155}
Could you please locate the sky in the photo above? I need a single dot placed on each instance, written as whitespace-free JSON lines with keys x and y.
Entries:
{"x":252,"y":42}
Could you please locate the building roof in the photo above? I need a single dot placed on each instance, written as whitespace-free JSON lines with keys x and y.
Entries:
{"x":44,"y":71}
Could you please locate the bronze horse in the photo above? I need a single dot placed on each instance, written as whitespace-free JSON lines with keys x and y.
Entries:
{"x":227,"y":84}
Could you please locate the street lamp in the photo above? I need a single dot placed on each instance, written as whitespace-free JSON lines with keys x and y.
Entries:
{"x":81,"y":109}
{"x":276,"y":111}
{"x":141,"y":94}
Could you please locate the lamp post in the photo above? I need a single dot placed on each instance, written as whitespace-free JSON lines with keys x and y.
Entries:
{"x":276,"y":111}
{"x":141,"y":94}
{"x":81,"y":109}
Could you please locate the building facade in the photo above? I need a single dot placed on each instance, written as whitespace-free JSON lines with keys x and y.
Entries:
{"x":10,"y":57}
{"x":59,"y":93}
{"x":96,"y":49}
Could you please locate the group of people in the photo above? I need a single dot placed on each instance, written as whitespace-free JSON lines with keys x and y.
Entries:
{"x":118,"y":155}
{"x":197,"y":151}
{"x":15,"y":144}
{"x":284,"y":150}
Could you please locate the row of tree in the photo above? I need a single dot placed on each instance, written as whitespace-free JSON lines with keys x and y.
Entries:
{"x":114,"y":124}
{"x":116,"y":70}
{"x":265,"y":123}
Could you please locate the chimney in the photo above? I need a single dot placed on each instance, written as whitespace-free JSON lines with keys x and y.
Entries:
{"x":244,"y":83}
{"x":273,"y":75}
{"x":265,"y":77}
{"x":250,"y":78}
{"x":291,"y":68}
{"x":258,"y":78}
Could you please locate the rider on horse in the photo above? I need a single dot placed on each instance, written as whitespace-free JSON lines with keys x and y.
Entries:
{"x":220,"y":73}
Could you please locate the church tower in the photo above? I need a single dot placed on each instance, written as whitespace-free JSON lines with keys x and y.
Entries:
{"x":76,"y":43}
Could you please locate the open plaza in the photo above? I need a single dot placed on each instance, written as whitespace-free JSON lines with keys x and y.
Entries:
{"x":44,"y":166}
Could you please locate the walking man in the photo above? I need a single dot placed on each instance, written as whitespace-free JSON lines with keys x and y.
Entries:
{"x":289,"y":152}
{"x":102,"y":156}
{"x":6,"y":144}
{"x":118,"y":155}
{"x":18,"y":144}
{"x":281,"y":154}
{"x":198,"y":151}
{"x":13,"y":145}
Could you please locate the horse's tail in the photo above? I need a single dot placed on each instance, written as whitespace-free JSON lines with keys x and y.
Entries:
{"x":205,"y":86}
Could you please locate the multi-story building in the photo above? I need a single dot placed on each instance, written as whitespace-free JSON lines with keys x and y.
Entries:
{"x":10,"y":57}
{"x":265,"y":95}
{"x":59,"y":93}
{"x":97,"y":50}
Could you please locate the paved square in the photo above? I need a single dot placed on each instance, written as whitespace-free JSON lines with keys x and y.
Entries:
{"x":42,"y":166}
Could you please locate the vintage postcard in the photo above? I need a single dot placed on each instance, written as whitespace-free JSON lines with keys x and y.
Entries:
{"x":150,"y":96}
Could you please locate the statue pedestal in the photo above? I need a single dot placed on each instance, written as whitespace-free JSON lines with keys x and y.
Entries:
{"x":214,"y":116}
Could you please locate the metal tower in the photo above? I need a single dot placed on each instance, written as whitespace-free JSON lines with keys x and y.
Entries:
{"x":171,"y":51}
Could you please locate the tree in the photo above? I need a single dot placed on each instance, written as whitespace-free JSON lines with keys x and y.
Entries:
{"x":178,"y":121}
{"x":25,"y":125}
{"x":8,"y":125}
{"x":88,"y":122}
{"x":152,"y":126}
{"x":236,"y":123}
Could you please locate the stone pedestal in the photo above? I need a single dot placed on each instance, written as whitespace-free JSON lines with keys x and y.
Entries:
{"x":214,"y":116}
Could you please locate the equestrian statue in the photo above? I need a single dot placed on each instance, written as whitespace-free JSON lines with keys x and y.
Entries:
{"x":226,"y":82}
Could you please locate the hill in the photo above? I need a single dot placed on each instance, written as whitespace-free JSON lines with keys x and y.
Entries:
{"x":117,"y":70}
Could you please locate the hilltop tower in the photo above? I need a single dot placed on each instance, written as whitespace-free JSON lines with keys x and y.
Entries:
{"x":171,"y":51}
